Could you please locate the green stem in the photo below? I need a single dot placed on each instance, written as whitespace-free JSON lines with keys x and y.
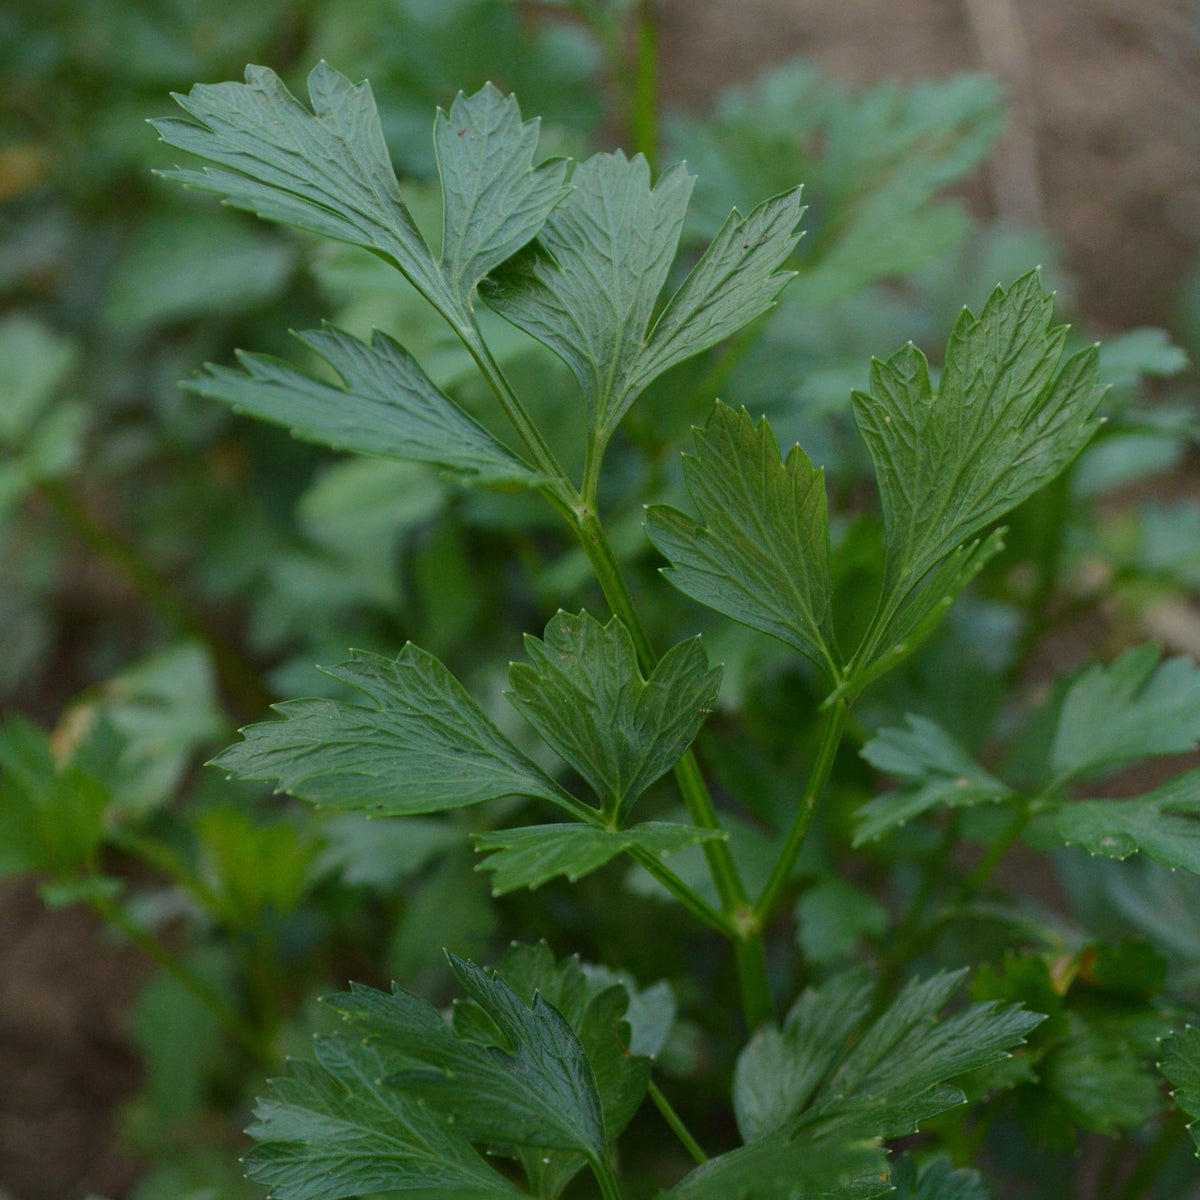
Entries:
{"x":582,"y":517}
{"x":559,"y":490}
{"x":606,"y":1177}
{"x":230,"y":1020}
{"x":644,"y":122}
{"x":673,"y":1119}
{"x":749,"y":951}
{"x":831,"y":739}
{"x":240,"y":679}
{"x":695,"y":904}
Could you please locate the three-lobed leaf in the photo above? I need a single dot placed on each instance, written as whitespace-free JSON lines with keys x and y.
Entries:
{"x":327,"y":171}
{"x":533,"y":855}
{"x":589,"y":285}
{"x":760,"y":551}
{"x":387,"y":407}
{"x":537,"y":1089}
{"x":936,"y":1180}
{"x":895,"y":1075}
{"x":1008,"y":415}
{"x":1133,"y":708}
{"x":421,"y":746}
{"x":583,"y":692}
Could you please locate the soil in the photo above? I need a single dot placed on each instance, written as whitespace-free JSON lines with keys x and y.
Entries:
{"x":1102,"y":145}
{"x":1103,"y":142}
{"x":64,"y":993}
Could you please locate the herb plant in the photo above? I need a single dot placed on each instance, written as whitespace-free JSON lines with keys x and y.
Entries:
{"x":542,"y":1064}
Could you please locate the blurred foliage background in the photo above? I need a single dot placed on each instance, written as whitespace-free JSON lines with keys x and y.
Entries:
{"x":167,"y":569}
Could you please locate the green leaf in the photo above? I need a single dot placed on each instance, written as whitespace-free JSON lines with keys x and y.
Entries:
{"x":618,"y":1025}
{"x":760,"y":553}
{"x":493,"y":198}
{"x":776,"y":1168}
{"x":35,"y":362}
{"x":538,"y":1089}
{"x":51,"y":812}
{"x":530,"y":857}
{"x":385,"y":407}
{"x":780,"y":1070}
{"x":328,"y":172}
{"x":937,"y":1180}
{"x":334,"y":1128}
{"x":1130,"y":710}
{"x":422,"y":746}
{"x":583,"y":692}
{"x":882,"y":1084}
{"x":588,"y":287}
{"x":935,"y":770}
{"x":1181,"y":1066}
{"x":1164,"y":824}
{"x":1006,"y":419}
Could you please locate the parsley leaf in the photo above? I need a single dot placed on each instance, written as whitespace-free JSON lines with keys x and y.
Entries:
{"x":1132,"y":709}
{"x":1181,"y":1066}
{"x":533,"y":855}
{"x":537,"y":1090}
{"x":583,"y":692}
{"x":588,"y":286}
{"x":934,"y":769}
{"x":328,"y":172}
{"x":1163,"y":824}
{"x":776,"y":1168}
{"x":334,"y":1128}
{"x":761,"y":555}
{"x":1006,"y":418}
{"x":895,"y":1075}
{"x":617,"y":1024}
{"x":422,"y":746}
{"x":387,"y":407}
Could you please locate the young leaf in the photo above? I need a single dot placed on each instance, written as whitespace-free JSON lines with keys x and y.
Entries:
{"x":422,"y":746}
{"x":583,"y":692}
{"x":937,"y":1180}
{"x":328,"y":171}
{"x":334,"y":1128}
{"x":1132,"y":709}
{"x":387,"y":407}
{"x":538,"y":1090}
{"x":935,"y":770}
{"x":1164,"y":824}
{"x":895,"y":1075}
{"x":1181,"y":1065}
{"x":588,"y":287}
{"x":529,"y":857}
{"x":760,"y":553}
{"x":1004,"y":421}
